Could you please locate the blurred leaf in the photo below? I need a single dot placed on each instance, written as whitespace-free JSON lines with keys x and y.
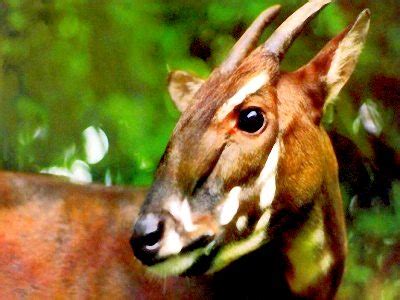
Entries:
{"x":396,"y":199}
{"x":380,"y":224}
{"x":17,"y":20}
{"x":69,"y":26}
{"x":356,"y":125}
{"x":329,"y":113}
{"x":359,"y":274}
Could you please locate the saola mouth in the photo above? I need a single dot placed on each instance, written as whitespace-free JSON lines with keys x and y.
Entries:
{"x":210,"y":258}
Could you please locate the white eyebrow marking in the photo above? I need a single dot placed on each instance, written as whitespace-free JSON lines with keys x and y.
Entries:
{"x":251,"y":86}
{"x":267,"y":179}
{"x":230,"y":206}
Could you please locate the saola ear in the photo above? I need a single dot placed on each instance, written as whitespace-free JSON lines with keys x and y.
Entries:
{"x":182,"y":86}
{"x":334,"y":64}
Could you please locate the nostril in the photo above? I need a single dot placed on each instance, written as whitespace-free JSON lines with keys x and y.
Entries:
{"x":151,"y":239}
{"x":147,"y":234}
{"x":149,"y":229}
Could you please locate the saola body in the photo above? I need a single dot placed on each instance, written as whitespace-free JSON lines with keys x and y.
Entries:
{"x":245,"y":201}
{"x":66,"y":241}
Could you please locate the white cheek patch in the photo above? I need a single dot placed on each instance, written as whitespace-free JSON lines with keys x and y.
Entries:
{"x":318,"y":236}
{"x":230,"y":206}
{"x":267,"y":179}
{"x":171,"y":244}
{"x":252,"y":86}
{"x":326,"y":262}
{"x":181,"y":211}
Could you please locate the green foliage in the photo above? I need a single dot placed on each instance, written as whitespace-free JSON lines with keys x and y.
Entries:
{"x":72,"y":65}
{"x":372,"y":267}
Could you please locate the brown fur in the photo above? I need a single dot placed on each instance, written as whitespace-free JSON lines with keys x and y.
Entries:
{"x":61,"y":241}
{"x":309,"y":174}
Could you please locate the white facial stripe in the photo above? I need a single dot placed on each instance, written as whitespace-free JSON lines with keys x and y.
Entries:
{"x":186,"y":216}
{"x":171,"y":244}
{"x":241,"y":223}
{"x":252,"y":86}
{"x":230,"y":206}
{"x":180,"y":210}
{"x":267,"y":179}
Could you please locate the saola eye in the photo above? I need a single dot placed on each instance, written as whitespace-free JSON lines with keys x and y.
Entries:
{"x":251,"y":119}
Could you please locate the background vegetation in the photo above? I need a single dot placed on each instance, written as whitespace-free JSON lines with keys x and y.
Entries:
{"x":83,"y":94}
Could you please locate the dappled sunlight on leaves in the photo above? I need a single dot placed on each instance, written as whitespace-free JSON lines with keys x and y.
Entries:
{"x":79,"y":172}
{"x":96,"y":144}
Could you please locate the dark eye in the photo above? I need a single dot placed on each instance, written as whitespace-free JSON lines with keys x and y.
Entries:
{"x":251,"y":119}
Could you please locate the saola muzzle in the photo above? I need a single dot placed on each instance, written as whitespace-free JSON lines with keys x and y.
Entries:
{"x":210,"y":253}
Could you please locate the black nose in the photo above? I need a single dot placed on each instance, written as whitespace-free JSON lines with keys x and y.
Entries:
{"x":146,"y":237}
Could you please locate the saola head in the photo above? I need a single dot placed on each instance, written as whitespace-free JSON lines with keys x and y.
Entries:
{"x":218,"y":185}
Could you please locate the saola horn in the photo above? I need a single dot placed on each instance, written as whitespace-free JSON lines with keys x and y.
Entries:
{"x":249,"y":40}
{"x":280,"y":41}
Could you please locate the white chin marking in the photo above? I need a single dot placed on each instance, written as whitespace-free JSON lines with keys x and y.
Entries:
{"x":230,"y":206}
{"x":234,"y":250}
{"x":267,"y":179}
{"x":176,"y":265}
{"x":251,"y":86}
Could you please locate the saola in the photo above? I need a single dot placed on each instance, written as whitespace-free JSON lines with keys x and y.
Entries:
{"x":248,"y":187}
{"x":245,"y":201}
